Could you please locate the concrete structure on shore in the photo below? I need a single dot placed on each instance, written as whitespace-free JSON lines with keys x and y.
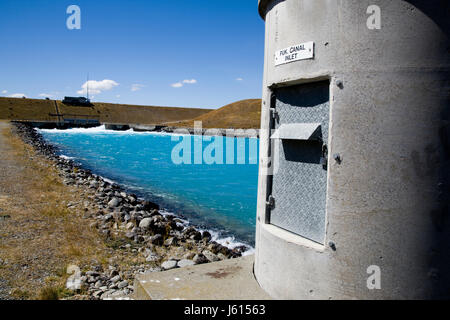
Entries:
{"x":230,"y":279}
{"x":355,"y":145}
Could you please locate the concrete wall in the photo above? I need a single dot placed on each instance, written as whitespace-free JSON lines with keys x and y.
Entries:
{"x":387,"y":202}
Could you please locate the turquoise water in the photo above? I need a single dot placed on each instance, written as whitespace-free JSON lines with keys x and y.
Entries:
{"x":218,"y":197}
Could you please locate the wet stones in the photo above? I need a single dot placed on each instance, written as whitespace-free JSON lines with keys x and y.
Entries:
{"x":148,"y":206}
{"x":206,"y":236}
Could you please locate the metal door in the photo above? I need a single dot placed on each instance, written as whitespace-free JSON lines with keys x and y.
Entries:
{"x":300,"y":133}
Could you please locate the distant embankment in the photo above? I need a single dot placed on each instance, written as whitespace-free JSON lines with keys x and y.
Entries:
{"x":244,"y":114}
{"x":54,"y":111}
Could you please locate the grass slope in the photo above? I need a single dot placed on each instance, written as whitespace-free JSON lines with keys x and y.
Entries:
{"x":244,"y":114}
{"x":45,"y":110}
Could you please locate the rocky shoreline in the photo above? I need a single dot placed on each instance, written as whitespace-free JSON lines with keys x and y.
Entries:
{"x":134,"y":224}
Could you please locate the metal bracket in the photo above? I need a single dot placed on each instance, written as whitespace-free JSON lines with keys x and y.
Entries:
{"x":274,"y":113}
{"x":270,"y":202}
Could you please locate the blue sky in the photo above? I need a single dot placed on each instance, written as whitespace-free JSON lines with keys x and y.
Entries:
{"x":190,"y":53}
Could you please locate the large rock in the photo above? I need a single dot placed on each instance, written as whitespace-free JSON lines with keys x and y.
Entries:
{"x":159,"y":227}
{"x":185,"y":262}
{"x":145,"y":223}
{"x":157,"y":239}
{"x":170,"y":242}
{"x":122,"y":284}
{"x":206,"y":235}
{"x":221,"y":256}
{"x":114,"y":202}
{"x":196,"y":236}
{"x":152,"y":258}
{"x":214,"y":247}
{"x":130,"y":235}
{"x":94,"y":185}
{"x":170,"y":264}
{"x":210,"y":256}
{"x":199,"y":259}
{"x":129,"y":226}
{"x":189,"y":231}
{"x":189,"y":255}
{"x":147,"y":206}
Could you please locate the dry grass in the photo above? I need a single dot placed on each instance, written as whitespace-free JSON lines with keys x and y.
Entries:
{"x":245,"y":114}
{"x":49,"y":293}
{"x":43,"y":236}
{"x":26,"y":109}
{"x":45,"y":110}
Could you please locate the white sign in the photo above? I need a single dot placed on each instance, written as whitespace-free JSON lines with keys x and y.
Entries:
{"x":294,"y":53}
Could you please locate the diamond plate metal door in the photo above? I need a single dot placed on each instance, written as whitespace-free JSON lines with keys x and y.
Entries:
{"x":299,"y":182}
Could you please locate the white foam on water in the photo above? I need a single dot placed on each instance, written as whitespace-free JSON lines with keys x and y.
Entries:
{"x":63,"y":156}
{"x":229,"y":242}
{"x":108,"y":180}
{"x":76,"y":130}
{"x":102,"y":130}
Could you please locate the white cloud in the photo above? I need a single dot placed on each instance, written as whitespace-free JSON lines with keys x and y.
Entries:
{"x":137,"y":87}
{"x":17,"y":95}
{"x":177,"y":85}
{"x":97,"y":87}
{"x":239,"y":79}
{"x":45,"y":95}
{"x":118,"y":96}
{"x":181,"y":83}
{"x":5,"y":91}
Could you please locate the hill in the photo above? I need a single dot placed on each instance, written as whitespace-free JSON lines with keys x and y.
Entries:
{"x":52,"y":110}
{"x":244,"y":114}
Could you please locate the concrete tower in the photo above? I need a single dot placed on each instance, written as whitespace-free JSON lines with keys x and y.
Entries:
{"x":355,"y":145}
